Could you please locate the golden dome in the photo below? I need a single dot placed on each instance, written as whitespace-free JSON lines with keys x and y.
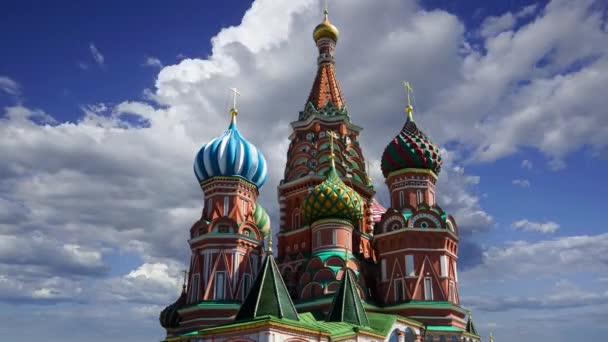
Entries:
{"x":325,"y":30}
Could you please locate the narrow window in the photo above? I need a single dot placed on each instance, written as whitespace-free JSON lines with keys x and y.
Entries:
{"x":432,"y":198}
{"x":297,"y":221}
{"x":401,"y":199}
{"x":219,"y":285}
{"x":428,"y":289}
{"x":455,"y":271}
{"x":194,"y":289}
{"x":452,"y":292}
{"x":399,"y":290}
{"x":383,"y":269}
{"x":409,"y":266}
{"x":318,"y":239}
{"x":209,"y":206}
{"x":419,"y":196}
{"x":243,"y":207}
{"x":226,"y":205}
{"x":334,"y":237}
{"x":246,"y":284}
{"x":443,"y":260}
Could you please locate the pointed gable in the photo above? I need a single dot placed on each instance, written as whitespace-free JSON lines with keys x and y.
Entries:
{"x":470,"y":326}
{"x":347,"y":306}
{"x":268,"y":296}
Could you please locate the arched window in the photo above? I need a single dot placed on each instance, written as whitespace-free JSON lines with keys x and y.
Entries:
{"x":442,"y":339}
{"x":428,"y":338}
{"x":409,"y":335}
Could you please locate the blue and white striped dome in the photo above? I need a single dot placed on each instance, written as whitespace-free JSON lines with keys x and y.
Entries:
{"x":231,"y":155}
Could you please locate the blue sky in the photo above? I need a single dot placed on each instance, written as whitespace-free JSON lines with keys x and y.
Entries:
{"x":95,"y":206}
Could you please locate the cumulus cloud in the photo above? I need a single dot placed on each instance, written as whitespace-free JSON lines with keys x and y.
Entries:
{"x":522,"y":183}
{"x":521,"y":259}
{"x":109,"y":181}
{"x":541,"y":227}
{"x":564,"y":295}
{"x":492,"y":26}
{"x":526,"y":164}
{"x":97,"y":56}
{"x":539,"y":78}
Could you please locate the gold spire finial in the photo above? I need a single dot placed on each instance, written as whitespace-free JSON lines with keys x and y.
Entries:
{"x":332,"y":135}
{"x":491,"y":337}
{"x":408,"y":91}
{"x":269,"y":250}
{"x":369,"y":178}
{"x":233,"y":110}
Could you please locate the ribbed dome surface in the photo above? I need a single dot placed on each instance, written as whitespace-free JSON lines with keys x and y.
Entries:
{"x":411,"y":148}
{"x":332,"y":199}
{"x":169,"y":317}
{"x":231,"y":155}
{"x":261,"y":219}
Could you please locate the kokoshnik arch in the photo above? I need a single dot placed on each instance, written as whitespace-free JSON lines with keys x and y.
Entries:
{"x":347,"y":269}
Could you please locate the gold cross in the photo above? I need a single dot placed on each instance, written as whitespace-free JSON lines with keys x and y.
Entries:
{"x":235,"y":93}
{"x":332,"y":135}
{"x":409,"y":91}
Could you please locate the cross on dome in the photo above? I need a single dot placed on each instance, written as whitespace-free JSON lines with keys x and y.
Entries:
{"x":332,"y":135}
{"x":408,"y":92}
{"x":235,"y":93}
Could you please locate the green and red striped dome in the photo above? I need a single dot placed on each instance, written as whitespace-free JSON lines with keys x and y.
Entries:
{"x":411,"y":149}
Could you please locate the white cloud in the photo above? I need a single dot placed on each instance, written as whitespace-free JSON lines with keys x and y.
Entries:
{"x":152,"y":62}
{"x":9,"y":86}
{"x":523,"y":183}
{"x":541,"y":227}
{"x":101,"y":182}
{"x":539,"y":78}
{"x":97,"y":56}
{"x":526,"y":164}
{"x":492,"y":26}
{"x":151,"y":283}
{"x":558,"y":257}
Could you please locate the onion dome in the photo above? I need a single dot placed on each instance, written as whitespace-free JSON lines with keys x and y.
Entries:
{"x":411,"y":148}
{"x":333,"y":199}
{"x":231,"y":155}
{"x":169,"y":317}
{"x":325,"y":30}
{"x":261,"y":219}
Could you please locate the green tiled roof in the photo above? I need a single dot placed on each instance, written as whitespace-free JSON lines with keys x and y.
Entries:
{"x":268,"y":296}
{"x":347,"y":306}
{"x":443,"y":328}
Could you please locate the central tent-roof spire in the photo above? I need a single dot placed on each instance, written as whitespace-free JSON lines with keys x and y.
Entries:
{"x":326,"y":89}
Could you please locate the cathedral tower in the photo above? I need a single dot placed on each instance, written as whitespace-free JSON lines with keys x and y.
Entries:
{"x":303,"y":240}
{"x":416,"y":241}
{"x":227,"y":241}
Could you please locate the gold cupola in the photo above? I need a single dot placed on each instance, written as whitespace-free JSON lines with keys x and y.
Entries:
{"x":326,"y":30}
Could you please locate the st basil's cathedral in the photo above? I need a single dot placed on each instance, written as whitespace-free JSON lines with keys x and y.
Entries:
{"x":346,"y":268}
